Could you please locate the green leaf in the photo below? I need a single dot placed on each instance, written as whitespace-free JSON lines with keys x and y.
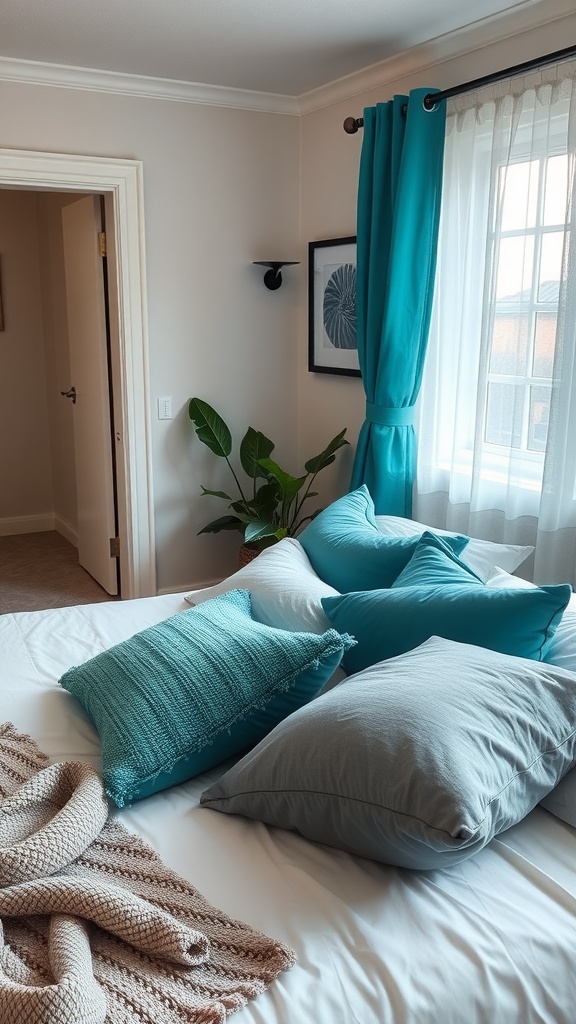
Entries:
{"x":267,"y":495}
{"x":224,"y":523}
{"x":258,"y":530}
{"x":289,"y":485}
{"x":216,"y":494}
{"x":324,"y":459}
{"x":245,"y":510}
{"x":210,"y":427}
{"x":253,"y":447}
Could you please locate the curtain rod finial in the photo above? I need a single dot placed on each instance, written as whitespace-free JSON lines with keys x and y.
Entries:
{"x":352,"y":124}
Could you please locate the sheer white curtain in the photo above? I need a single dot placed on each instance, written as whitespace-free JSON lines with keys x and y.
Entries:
{"x":496,"y":418}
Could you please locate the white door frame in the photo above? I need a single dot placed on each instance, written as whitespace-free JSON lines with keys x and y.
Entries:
{"x":121,"y":182}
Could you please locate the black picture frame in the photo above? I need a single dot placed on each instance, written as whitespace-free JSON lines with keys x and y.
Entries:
{"x":332,"y":344}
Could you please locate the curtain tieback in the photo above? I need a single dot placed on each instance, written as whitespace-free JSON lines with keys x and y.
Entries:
{"x":390,"y":417}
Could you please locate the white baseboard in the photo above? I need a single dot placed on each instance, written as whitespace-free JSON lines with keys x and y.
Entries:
{"x":11,"y":525}
{"x":66,"y":529}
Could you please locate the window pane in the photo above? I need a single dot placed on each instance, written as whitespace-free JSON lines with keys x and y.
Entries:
{"x":504,"y":414}
{"x":539,"y":416}
{"x":519,"y":190}
{"x":556,"y":194}
{"x":550,"y":266}
{"x":515,"y":266}
{"x":509,"y":344}
{"x":544,"y":342}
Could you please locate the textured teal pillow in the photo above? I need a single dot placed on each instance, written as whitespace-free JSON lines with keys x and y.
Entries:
{"x":434,"y":563}
{"x":418,"y":761}
{"x":189,"y":692}
{"x":348,"y":551}
{"x":389,"y":622}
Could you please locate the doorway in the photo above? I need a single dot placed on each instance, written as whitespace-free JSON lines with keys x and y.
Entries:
{"x":120,"y":182}
{"x":56,"y":445}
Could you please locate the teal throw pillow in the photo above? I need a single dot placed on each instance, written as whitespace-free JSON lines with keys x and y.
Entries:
{"x":189,"y":692}
{"x":434,"y":563}
{"x":348,"y":551}
{"x":418,"y":761}
{"x":389,"y":622}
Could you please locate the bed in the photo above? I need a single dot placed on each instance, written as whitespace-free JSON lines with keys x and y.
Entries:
{"x":489,"y":939}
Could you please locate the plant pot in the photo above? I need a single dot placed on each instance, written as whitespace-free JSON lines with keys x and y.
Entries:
{"x":247,"y":553}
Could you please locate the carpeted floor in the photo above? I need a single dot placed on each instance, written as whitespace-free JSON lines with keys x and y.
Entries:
{"x":41,"y":570}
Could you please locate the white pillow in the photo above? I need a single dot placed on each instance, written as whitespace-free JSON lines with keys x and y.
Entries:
{"x":502,"y":579}
{"x":285,"y":590}
{"x":561,"y":802}
{"x":481,"y":555}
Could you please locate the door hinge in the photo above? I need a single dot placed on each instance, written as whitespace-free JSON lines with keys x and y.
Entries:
{"x":114,"y":547}
{"x":102,"y":243}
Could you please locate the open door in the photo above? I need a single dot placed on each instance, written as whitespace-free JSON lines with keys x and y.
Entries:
{"x":87,"y":332}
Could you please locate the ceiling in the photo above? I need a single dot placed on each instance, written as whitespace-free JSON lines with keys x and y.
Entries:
{"x":286,"y":47}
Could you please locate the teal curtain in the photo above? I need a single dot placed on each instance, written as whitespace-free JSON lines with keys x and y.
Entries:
{"x":399,"y":191}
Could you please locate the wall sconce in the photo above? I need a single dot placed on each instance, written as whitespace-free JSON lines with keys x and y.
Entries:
{"x":273,"y":277}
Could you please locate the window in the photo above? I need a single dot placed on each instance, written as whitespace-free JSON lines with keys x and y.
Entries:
{"x":496,"y":423}
{"x":527,"y":246}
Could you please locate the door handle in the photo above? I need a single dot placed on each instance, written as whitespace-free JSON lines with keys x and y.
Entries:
{"x":70,"y":394}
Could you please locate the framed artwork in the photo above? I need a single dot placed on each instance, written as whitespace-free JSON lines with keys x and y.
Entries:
{"x":332,"y":340}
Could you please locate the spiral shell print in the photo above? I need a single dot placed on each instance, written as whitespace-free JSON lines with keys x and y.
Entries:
{"x":339,"y":310}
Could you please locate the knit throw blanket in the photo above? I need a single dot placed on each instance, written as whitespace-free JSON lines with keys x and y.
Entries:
{"x":94,"y":927}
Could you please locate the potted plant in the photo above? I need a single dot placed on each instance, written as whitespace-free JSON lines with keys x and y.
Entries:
{"x":270,"y":505}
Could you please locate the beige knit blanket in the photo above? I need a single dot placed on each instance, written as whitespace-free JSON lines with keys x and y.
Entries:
{"x":94,"y":927}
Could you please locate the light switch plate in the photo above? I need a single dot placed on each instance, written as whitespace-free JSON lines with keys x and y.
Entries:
{"x":164,"y":408}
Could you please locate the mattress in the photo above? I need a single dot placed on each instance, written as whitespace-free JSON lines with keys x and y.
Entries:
{"x":489,"y":941}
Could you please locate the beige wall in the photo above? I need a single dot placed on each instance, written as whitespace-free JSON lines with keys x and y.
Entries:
{"x":330,"y":160}
{"x":25,"y":454}
{"x":221,"y":189}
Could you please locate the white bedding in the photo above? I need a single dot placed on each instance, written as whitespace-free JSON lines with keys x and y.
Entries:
{"x":491,"y":941}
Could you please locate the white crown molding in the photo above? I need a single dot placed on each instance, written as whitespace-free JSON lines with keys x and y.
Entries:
{"x":529,"y":14}
{"x":64,"y":77}
{"x":524,"y":16}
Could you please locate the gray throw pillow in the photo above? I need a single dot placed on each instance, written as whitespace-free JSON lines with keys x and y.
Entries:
{"x":417,"y":761}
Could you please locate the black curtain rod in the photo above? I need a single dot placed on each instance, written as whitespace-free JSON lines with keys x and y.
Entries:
{"x":352,"y":124}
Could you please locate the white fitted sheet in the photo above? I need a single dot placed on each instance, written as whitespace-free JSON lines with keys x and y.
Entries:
{"x":491,"y":941}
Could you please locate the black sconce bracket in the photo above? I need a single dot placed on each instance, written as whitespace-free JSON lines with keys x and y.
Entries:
{"x":273,"y":277}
